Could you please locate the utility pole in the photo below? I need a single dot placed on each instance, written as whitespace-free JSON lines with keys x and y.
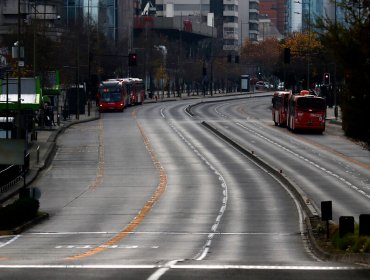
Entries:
{"x":89,"y":58}
{"x":309,"y":43}
{"x":18,"y":45}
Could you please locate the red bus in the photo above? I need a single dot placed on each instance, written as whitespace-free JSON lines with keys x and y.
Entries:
{"x":306,"y":111}
{"x":113,"y":95}
{"x":280,"y":101}
{"x":137,"y":91}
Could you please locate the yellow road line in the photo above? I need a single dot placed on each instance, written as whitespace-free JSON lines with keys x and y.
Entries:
{"x":143,"y":212}
{"x":101,"y":165}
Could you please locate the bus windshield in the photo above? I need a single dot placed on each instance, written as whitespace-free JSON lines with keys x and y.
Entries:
{"x":111,"y":96}
{"x":311,"y":103}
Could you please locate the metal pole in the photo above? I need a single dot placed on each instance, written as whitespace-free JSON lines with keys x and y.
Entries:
{"x":335,"y":68}
{"x":89,"y":57}
{"x":19,"y":71}
{"x":77,"y":87}
{"x":34,"y":40}
{"x":309,"y":43}
{"x":7,"y":104}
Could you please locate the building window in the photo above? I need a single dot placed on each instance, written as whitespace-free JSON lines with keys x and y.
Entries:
{"x":230,"y":8}
{"x":230,"y":19}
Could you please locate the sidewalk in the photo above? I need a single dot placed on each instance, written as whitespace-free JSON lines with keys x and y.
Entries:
{"x":330,"y":115}
{"x":43,"y":148}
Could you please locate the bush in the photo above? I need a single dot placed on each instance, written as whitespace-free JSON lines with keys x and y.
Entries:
{"x":352,"y":243}
{"x":20,"y":211}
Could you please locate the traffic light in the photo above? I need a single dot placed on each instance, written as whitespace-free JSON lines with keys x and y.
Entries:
{"x":229,"y":58}
{"x":326,"y":79}
{"x":237,"y":59}
{"x":132,"y":59}
{"x":286,"y":55}
{"x":204,"y":71}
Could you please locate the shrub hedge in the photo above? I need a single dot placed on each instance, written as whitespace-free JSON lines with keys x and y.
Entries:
{"x":19,"y":212}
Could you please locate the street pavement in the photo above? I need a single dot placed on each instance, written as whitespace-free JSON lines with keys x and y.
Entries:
{"x":43,"y":147}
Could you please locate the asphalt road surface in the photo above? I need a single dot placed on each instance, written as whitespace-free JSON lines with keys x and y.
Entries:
{"x":152,"y":194}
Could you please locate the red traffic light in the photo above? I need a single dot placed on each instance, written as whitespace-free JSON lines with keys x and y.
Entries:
{"x":326,"y":78}
{"x":132,"y":59}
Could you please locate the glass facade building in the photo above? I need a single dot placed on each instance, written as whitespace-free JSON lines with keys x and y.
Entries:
{"x":100,"y":12}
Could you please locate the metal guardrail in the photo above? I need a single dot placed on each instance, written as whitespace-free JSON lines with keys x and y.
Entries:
{"x":13,"y":174}
{"x":9,"y":177}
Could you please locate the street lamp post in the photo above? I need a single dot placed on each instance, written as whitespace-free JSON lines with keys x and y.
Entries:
{"x":309,"y":42}
{"x":18,"y":45}
{"x":309,"y":39}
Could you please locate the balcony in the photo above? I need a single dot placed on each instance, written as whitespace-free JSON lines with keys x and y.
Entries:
{"x":234,"y":25}
{"x":230,"y":36}
{"x":230,"y":14}
{"x":175,"y":23}
{"x":10,"y":7}
{"x":232,"y":2}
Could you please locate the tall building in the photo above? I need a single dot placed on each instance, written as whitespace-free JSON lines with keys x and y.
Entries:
{"x":103,"y":13}
{"x":301,"y":15}
{"x":276,"y":11}
{"x":248,"y":20}
{"x":231,"y":25}
{"x":171,"y":8}
{"x":333,"y":11}
{"x":30,"y":10}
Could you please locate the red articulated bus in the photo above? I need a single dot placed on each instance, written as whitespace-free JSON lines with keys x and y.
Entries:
{"x":113,"y":95}
{"x":137,"y":90}
{"x":280,"y":101}
{"x":306,"y":112}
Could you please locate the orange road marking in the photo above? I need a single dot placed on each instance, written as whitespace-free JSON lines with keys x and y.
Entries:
{"x":101,"y":165}
{"x":143,"y":212}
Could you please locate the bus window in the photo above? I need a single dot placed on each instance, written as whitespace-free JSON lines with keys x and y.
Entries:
{"x":311,"y":103}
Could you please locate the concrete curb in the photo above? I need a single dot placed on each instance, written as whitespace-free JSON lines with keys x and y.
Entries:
{"x":34,"y":172}
{"x":309,"y":207}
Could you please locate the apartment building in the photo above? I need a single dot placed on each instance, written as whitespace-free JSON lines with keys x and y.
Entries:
{"x":49,"y":13}
{"x":276,"y":12}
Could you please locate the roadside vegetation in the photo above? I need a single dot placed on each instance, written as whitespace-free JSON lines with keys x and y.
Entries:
{"x":348,"y":47}
{"x":351,"y":243}
{"x":18,"y":213}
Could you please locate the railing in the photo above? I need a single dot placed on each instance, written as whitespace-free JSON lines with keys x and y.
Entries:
{"x":13,"y":174}
{"x":9,"y":177}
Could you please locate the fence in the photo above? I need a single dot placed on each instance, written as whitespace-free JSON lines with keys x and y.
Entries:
{"x":13,"y":174}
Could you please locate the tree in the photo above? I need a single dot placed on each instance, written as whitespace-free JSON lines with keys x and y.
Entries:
{"x":305,"y":50}
{"x":348,"y":45}
{"x":261,"y":56}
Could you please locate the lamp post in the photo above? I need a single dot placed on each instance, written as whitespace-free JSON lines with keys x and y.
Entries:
{"x":309,"y":42}
{"x":18,"y":46}
{"x":335,"y":68}
{"x":309,"y":39}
